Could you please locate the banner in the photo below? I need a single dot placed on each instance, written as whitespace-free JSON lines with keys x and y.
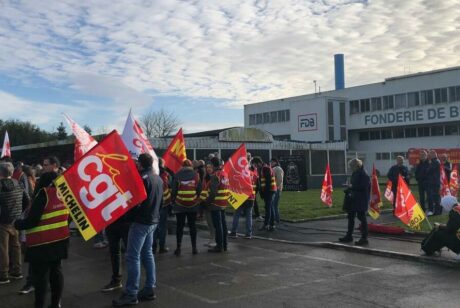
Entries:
{"x":376,"y":199}
{"x":453,"y":185}
{"x":295,"y":172}
{"x":406,"y":208}
{"x":6,"y":149}
{"x":239,"y":176}
{"x":175,"y":154}
{"x":83,"y":141}
{"x":102,"y":186}
{"x":326,"y":188}
{"x":444,"y":190}
{"x":137,"y":143}
{"x":388,"y":192}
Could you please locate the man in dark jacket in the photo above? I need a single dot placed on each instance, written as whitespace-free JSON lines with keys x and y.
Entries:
{"x":421,"y":171}
{"x":447,"y":165}
{"x":359,"y":189}
{"x":434,"y":184}
{"x":394,"y":172}
{"x":13,"y":199}
{"x":267,"y":189}
{"x":144,"y":218}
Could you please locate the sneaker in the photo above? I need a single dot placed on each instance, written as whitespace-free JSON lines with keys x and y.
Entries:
{"x":4,"y":280}
{"x":260,"y":218}
{"x":215,"y":249}
{"x":100,"y":245}
{"x":429,"y":213}
{"x":211,"y":244}
{"x":26,"y":289}
{"x":163,"y":250}
{"x":232,"y":234}
{"x":247,"y":237}
{"x":346,"y":239}
{"x":271,"y":228}
{"x":125,"y":300}
{"x":16,"y":276}
{"x":146,"y":295}
{"x":112,"y":285}
{"x":362,"y":242}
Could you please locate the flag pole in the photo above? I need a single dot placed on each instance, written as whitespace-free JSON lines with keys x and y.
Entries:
{"x":429,"y":224}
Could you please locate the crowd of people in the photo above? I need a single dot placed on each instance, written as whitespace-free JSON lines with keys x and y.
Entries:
{"x":31,"y":214}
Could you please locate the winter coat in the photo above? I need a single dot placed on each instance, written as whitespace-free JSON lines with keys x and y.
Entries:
{"x":421,"y":171}
{"x":13,"y":200}
{"x":393,"y":174}
{"x":434,"y":173}
{"x":360,"y":190}
{"x":185,"y":174}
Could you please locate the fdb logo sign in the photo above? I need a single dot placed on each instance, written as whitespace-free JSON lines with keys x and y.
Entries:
{"x":307,"y":122}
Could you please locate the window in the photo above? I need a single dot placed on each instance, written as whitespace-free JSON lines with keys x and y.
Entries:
{"x":320,"y":159}
{"x":413,"y":99}
{"x":396,"y":154}
{"x":398,"y":132}
{"x":281,"y":116}
{"x":388,"y":102}
{"x":288,"y":115}
{"x":330,"y":113}
{"x":365,"y":105}
{"x":410,"y":132}
{"x":343,"y":133}
{"x":382,"y":156}
{"x":376,"y":103}
{"x":354,"y":107}
{"x":451,"y":129}
{"x":266,"y":117}
{"x":273,"y":117}
{"x":259,"y":118}
{"x":454,"y":94}
{"x":337,"y":162}
{"x":342,"y":114}
{"x":385,"y":134}
{"x":375,"y":135}
{"x":363,"y":136}
{"x":440,"y":95}
{"x":252,"y":119}
{"x":426,"y":97}
{"x":400,"y":101}
{"x":331,"y":133}
{"x":437,"y":130}
{"x":423,"y":131}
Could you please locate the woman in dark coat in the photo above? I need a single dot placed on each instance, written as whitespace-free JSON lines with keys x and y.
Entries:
{"x":359,"y":193}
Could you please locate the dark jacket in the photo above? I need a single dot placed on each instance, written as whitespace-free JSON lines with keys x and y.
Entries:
{"x":453,"y":224}
{"x":13,"y":200}
{"x":393,"y":174}
{"x":184,"y":174}
{"x":434,"y":173}
{"x":447,"y":169}
{"x":265,"y":172}
{"x":214,"y":183}
{"x":43,"y":253}
{"x":421,"y":171}
{"x":148,"y":212}
{"x":361,"y":190}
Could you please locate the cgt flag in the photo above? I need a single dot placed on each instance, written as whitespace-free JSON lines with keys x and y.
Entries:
{"x":406,"y":208}
{"x":6,"y":149}
{"x":389,"y":192}
{"x":326,"y":188}
{"x":239,"y":176}
{"x":102,"y":186}
{"x":83,"y":141}
{"x":445,"y":189}
{"x":376,"y":199}
{"x":175,"y":154}
{"x":136,"y":142}
{"x":453,"y":185}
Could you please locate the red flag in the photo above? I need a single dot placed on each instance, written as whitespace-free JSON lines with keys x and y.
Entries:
{"x":388,"y":192}
{"x":101,"y":186}
{"x":175,"y":154}
{"x":326,"y":188}
{"x":406,"y":207}
{"x":453,"y":185}
{"x":6,"y":149}
{"x":83,"y":141}
{"x":376,"y":199}
{"x":239,"y":176}
{"x":445,"y":190}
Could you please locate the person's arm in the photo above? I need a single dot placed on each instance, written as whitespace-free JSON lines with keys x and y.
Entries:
{"x":25,"y":201}
{"x":36,"y":211}
{"x":213,"y":186}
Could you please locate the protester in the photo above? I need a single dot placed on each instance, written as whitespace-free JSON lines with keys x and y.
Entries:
{"x":393,"y":175}
{"x":31,"y":180}
{"x":421,"y":175}
{"x":47,"y":241}
{"x":13,"y":199}
{"x":144,"y":218}
{"x":279,"y":175}
{"x":447,"y":165}
{"x":267,"y":191}
{"x":207,"y":213}
{"x":434,"y":184}
{"x":217,"y":201}
{"x":185,"y":194}
{"x":20,"y":176}
{"x":445,"y":235}
{"x":162,"y":230}
{"x":256,"y":215}
{"x":359,"y":190}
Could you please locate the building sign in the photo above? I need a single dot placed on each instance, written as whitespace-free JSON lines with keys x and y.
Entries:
{"x":452,"y":154}
{"x":307,"y":122}
{"x":413,"y":116}
{"x":295,"y":172}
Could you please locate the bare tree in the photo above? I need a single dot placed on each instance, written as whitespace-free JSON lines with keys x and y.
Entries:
{"x":159,"y":123}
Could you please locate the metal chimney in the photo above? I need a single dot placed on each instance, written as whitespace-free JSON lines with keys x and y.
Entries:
{"x":339,"y":71}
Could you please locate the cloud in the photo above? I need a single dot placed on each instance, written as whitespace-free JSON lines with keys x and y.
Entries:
{"x":234,"y":50}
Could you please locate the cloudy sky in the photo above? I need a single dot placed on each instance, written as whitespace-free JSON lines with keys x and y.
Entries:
{"x":204,"y":60}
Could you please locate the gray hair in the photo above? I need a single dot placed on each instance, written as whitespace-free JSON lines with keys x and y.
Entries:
{"x":355,"y":163}
{"x":6,"y":169}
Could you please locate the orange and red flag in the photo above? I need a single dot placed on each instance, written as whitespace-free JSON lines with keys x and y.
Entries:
{"x":376,"y":199}
{"x":406,"y":208}
{"x":445,"y":190}
{"x":453,"y":185}
{"x":326,"y":188}
{"x":239,"y":176}
{"x":389,"y":192}
{"x":175,"y":154}
{"x":101,"y":186}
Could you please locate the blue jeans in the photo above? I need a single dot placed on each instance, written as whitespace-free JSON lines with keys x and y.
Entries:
{"x":269,"y":218}
{"x":140,"y":239}
{"x":276,"y":200}
{"x":160,"y":232}
{"x":247,"y":208}
{"x":218,"y":220}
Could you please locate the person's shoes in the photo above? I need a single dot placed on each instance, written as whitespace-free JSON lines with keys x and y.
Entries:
{"x":100,"y":245}
{"x":271,"y":228}
{"x":429,"y":213}
{"x":263,"y":228}
{"x":111,"y":286}
{"x":232,"y":234}
{"x":16,"y":276}
{"x":125,"y":300}
{"x":247,"y":237}
{"x":211,"y":244}
{"x":225,"y":248}
{"x":4,"y":280}
{"x":346,"y":239}
{"x":457,"y":257}
{"x":177,"y":251}
{"x":194,"y":251}
{"x":260,"y":218}
{"x":215,"y":249}
{"x":362,"y":242}
{"x":26,"y":289}
{"x":146,"y":295}
{"x":163,"y":250}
